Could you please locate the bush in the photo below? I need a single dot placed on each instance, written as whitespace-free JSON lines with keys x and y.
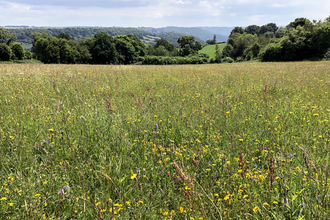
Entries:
{"x":17,"y":51}
{"x":5,"y":52}
{"x":272,"y":52}
{"x":228,"y":60}
{"x":27,"y":55}
{"x":326,"y":56}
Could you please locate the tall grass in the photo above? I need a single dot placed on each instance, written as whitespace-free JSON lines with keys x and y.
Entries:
{"x":229,"y":141}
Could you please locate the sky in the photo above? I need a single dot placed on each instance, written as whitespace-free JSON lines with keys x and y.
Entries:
{"x":159,"y":13}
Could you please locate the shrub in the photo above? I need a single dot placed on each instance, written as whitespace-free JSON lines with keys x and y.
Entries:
{"x":5,"y":52}
{"x":326,"y":56}
{"x":228,"y":60}
{"x":17,"y":51}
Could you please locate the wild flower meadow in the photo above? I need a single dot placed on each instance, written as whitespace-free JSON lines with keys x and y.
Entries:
{"x":228,"y":141}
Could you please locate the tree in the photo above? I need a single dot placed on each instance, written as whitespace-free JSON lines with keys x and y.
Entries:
{"x":280,"y":32}
{"x":27,"y":55}
{"x":239,"y":30}
{"x":125,"y":49}
{"x":5,"y":52}
{"x":298,"y":22}
{"x":104,"y":50}
{"x":188,"y":45}
{"x":64,"y":36}
{"x":217,"y":54}
{"x":167,"y":45}
{"x":6,"y":37}
{"x":17,"y":51}
{"x":327,"y":19}
{"x":252,"y":29}
{"x":227,"y":51}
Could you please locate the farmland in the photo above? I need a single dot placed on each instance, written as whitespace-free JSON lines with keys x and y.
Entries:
{"x":222,"y":141}
{"x":210,"y":50}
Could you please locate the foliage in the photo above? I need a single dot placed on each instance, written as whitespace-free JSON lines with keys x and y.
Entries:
{"x":6,"y":37}
{"x":50,"y":49}
{"x":188,"y":45}
{"x":103,"y":49}
{"x":161,"y":60}
{"x":327,"y":55}
{"x":17,"y":51}
{"x":5,"y":52}
{"x":228,"y":60}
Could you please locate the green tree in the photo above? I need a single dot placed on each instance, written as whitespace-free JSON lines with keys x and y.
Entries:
{"x":299,"y":22}
{"x":104,"y":50}
{"x":239,"y":30}
{"x":187,"y":45}
{"x":252,"y":29}
{"x":280,"y":32}
{"x":227,"y":51}
{"x":6,"y":37}
{"x":5,"y":52}
{"x":27,"y":55}
{"x":17,"y":51}
{"x":167,"y":45}
{"x":125,"y":49}
{"x":217,"y":54}
{"x":65,"y":36}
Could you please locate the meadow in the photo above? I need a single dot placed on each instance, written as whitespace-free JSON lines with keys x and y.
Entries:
{"x":210,"y":50}
{"x":222,"y":141}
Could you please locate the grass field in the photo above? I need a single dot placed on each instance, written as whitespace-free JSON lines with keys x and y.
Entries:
{"x":222,"y":141}
{"x":210,"y":49}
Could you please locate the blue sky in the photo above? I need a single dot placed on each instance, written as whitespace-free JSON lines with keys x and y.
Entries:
{"x":159,"y":13}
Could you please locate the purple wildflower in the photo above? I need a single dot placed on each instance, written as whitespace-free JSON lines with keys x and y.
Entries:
{"x":290,"y":156}
{"x":68,"y":196}
{"x":67,"y":187}
{"x":44,"y":141}
{"x":154,"y":132}
{"x":62,"y":191}
{"x":168,"y":175}
{"x":156,"y":125}
{"x":138,"y":172}
{"x":37,"y":148}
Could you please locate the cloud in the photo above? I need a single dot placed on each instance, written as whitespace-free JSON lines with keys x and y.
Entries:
{"x":158,"y":13}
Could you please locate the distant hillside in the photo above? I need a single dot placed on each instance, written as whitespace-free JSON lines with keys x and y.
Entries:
{"x":81,"y":33}
{"x":200,"y":34}
{"x":24,"y":34}
{"x":219,"y":31}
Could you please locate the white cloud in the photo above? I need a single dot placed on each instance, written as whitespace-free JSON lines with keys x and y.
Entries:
{"x":158,"y":12}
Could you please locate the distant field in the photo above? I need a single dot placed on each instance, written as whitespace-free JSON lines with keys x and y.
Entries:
{"x":150,"y":39}
{"x":210,"y":49}
{"x":27,"y":46}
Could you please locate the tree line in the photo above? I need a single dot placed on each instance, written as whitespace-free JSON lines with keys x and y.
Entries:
{"x":101,"y":49}
{"x":302,"y":39}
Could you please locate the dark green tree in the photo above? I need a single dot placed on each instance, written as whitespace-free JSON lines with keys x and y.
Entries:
{"x":104,"y":50}
{"x":252,"y":29}
{"x":6,"y":37}
{"x":64,"y":36}
{"x":5,"y":52}
{"x":187,"y":45}
{"x":167,"y":45}
{"x":17,"y":51}
{"x":125,"y":49}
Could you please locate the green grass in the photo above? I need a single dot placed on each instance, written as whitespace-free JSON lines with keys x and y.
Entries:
{"x":222,"y":141}
{"x":32,"y":61}
{"x":210,"y":49}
